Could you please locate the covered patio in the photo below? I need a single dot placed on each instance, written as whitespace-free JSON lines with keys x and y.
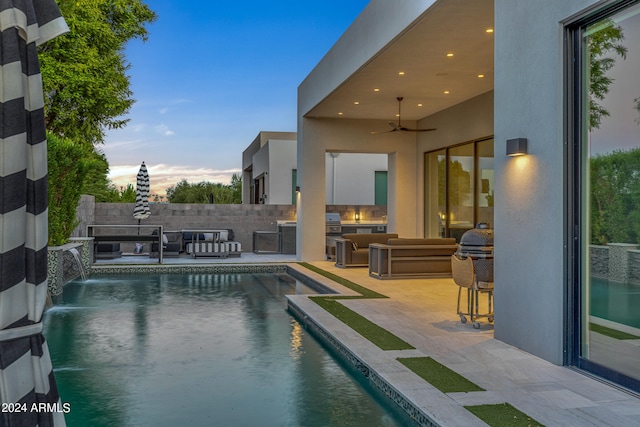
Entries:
{"x":423,"y":313}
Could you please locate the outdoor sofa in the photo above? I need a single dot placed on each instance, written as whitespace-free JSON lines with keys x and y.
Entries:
{"x":171,"y":246}
{"x":213,"y":242}
{"x":411,"y":258}
{"x":352,"y":250}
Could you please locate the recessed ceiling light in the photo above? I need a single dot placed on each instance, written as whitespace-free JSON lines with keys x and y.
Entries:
{"x":419,"y":105}
{"x":489,"y":30}
{"x":450,"y":54}
{"x":340,"y":113}
{"x":446,"y":92}
{"x":480,"y":76}
{"x":376,"y":90}
{"x":357,"y":103}
{"x":401,"y":73}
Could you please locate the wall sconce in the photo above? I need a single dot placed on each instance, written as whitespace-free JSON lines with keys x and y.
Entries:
{"x":517,"y":147}
{"x":357,"y":216}
{"x":297,"y":188}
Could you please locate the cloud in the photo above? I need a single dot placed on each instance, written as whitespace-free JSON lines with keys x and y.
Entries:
{"x":164,"y":110}
{"x":164,"y":130}
{"x":163,"y":176}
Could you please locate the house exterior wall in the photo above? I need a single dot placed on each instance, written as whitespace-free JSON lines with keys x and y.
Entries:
{"x":316,"y":137}
{"x":459,"y":124}
{"x":248,"y":172}
{"x":529,"y":204}
{"x":352,"y":184}
{"x":282,"y":161}
{"x":351,"y":177}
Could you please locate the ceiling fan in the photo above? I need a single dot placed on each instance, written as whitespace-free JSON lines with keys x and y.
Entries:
{"x":399,"y":127}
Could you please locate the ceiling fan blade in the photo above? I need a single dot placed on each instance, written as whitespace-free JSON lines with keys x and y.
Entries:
{"x":417,"y":130}
{"x":394,"y":128}
{"x":399,"y":127}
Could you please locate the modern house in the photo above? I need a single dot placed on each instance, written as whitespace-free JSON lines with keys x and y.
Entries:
{"x":553,"y":81}
{"x":269,"y":176}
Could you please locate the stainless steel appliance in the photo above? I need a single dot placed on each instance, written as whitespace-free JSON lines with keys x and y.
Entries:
{"x":333,"y":226}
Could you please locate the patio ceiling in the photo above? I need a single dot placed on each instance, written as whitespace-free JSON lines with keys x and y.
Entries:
{"x":457,"y":27}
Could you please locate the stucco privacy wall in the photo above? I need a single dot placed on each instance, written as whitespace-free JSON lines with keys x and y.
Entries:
{"x":529,"y":203}
{"x":242,"y":219}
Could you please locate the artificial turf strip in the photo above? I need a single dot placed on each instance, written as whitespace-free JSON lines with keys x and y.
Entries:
{"x":619,"y":335}
{"x":438,"y":375}
{"x":374,"y":333}
{"x":503,"y":414}
{"x":366,"y":293}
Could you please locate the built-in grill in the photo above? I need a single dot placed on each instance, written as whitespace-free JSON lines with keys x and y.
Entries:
{"x":477,"y":244}
{"x":332,"y":224}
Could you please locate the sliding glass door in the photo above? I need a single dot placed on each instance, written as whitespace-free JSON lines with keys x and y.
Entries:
{"x":604,"y":216}
{"x":458,"y":188}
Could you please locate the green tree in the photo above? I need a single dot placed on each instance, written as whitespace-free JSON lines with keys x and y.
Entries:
{"x":127,"y":194}
{"x":236,"y":188}
{"x":96,"y":182}
{"x":615,"y":197}
{"x":85,"y":83}
{"x":203,"y":192}
{"x":67,"y":169}
{"x":603,"y":45}
{"x":458,"y":180}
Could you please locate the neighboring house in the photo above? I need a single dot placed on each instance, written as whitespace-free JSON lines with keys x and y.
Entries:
{"x":270,"y":174}
{"x":541,"y":86}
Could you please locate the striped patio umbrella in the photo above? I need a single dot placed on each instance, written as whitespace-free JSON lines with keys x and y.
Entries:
{"x":26,"y":373}
{"x":142,"y":211}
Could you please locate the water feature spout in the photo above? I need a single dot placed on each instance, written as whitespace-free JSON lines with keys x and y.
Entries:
{"x":76,"y":257}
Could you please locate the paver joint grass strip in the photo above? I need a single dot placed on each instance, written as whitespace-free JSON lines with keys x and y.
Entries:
{"x":438,"y":375}
{"x":613,"y":333}
{"x":366,"y":293}
{"x":374,"y":333}
{"x":503,"y":414}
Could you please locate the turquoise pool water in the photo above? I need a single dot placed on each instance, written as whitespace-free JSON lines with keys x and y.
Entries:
{"x":198,"y":350}
{"x":616,"y":301}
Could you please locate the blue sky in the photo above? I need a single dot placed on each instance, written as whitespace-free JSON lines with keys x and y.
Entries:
{"x":211,"y":76}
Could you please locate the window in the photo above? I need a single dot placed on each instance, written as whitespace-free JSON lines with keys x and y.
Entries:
{"x":458,"y":188}
{"x":604,"y":184}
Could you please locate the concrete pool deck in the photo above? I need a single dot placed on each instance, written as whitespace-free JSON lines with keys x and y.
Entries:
{"x":422,"y":312}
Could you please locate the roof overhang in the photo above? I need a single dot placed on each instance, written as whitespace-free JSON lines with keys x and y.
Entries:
{"x":415,"y":65}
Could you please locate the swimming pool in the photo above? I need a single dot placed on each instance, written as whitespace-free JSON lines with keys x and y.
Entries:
{"x":198,"y":350}
{"x":615,"y":301}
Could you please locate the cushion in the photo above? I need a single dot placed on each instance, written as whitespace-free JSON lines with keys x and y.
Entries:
{"x":354,"y":246}
{"x":165,"y":239}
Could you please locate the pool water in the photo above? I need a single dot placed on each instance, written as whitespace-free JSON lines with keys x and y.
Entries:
{"x":614,"y":301}
{"x":198,"y":350}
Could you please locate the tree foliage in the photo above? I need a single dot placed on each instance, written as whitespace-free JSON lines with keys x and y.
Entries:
{"x":604,"y":45}
{"x":458,"y":181}
{"x":67,"y":168}
{"x":206,"y":192}
{"x":86,"y":87}
{"x":615,"y":197}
